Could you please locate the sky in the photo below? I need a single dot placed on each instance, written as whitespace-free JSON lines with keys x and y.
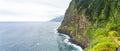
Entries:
{"x":32,"y":10}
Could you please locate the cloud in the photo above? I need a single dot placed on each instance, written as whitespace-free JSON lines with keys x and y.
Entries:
{"x":57,"y":3}
{"x":31,"y":10}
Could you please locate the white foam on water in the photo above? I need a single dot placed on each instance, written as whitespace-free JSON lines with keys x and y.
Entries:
{"x":38,"y":44}
{"x":69,"y":43}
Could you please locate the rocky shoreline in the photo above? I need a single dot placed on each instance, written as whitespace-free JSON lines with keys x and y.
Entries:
{"x":72,"y":40}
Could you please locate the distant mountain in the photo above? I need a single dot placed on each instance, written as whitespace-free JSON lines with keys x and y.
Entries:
{"x":58,"y":19}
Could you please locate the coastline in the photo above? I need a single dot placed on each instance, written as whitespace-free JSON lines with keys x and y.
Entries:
{"x":67,"y":41}
{"x":71,"y":40}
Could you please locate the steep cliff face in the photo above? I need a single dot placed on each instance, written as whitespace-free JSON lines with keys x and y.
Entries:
{"x":87,"y":21}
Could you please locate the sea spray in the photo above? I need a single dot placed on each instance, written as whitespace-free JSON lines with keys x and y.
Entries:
{"x":66,"y":45}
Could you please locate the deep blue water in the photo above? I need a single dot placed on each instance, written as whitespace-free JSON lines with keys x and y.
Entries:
{"x":28,"y":36}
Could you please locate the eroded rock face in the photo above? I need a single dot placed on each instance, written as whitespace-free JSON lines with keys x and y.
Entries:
{"x":84,"y":15}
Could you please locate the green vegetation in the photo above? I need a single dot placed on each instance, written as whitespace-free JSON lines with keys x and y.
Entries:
{"x":95,"y":24}
{"x":105,"y":39}
{"x":105,"y":46}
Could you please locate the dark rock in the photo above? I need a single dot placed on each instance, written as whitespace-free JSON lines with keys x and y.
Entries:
{"x":118,"y":48}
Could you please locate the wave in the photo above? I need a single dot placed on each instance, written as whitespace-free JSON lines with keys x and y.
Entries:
{"x":78,"y":48}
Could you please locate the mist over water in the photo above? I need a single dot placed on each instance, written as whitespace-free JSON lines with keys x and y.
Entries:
{"x":33,"y":37}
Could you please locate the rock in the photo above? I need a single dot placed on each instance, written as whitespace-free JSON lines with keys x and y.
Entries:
{"x":118,"y":48}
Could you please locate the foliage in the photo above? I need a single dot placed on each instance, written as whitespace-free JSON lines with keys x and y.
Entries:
{"x":103,"y":18}
{"x":114,"y":33}
{"x":112,"y":26}
{"x":101,"y":31}
{"x":89,"y":33}
{"x":105,"y":46}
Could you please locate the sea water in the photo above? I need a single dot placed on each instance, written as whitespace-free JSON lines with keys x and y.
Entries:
{"x":34,"y":36}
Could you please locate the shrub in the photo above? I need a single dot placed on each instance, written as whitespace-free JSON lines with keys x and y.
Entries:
{"x":89,"y":33}
{"x":101,"y":31}
{"x":114,"y":33}
{"x":105,"y":46}
{"x":112,"y":26}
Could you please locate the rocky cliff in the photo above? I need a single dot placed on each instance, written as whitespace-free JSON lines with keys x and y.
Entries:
{"x":93,"y":24}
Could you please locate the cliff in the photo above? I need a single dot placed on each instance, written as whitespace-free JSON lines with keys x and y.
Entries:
{"x":93,"y":24}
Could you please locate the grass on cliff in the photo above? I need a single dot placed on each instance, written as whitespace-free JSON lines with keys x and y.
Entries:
{"x":105,"y":39}
{"x":105,"y":46}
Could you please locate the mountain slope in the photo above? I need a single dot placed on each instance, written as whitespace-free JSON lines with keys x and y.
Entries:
{"x":58,"y":19}
{"x":93,"y":24}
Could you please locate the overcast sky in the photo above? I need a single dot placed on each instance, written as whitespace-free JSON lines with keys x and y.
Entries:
{"x":32,"y":10}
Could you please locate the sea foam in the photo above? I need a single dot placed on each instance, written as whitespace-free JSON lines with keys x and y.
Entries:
{"x":69,"y":43}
